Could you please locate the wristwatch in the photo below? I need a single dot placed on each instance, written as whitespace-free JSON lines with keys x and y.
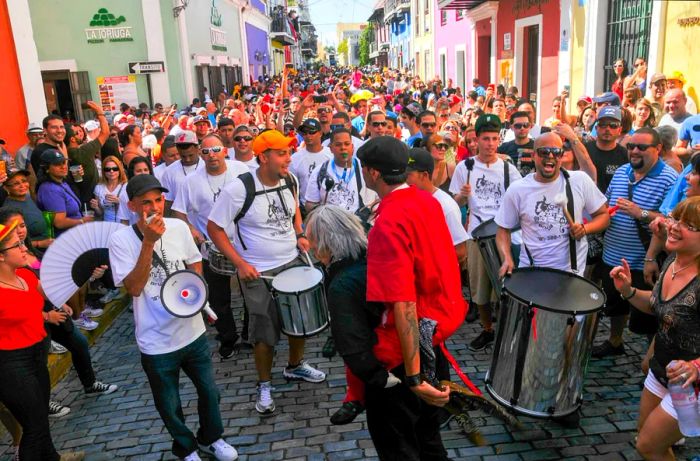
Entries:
{"x":645,"y":216}
{"x":413,"y":381}
{"x":301,"y":235}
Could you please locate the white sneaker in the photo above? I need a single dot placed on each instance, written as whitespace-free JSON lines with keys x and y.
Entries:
{"x":304,"y":371}
{"x":193,"y":457}
{"x":92,"y":312}
{"x":57,"y":348}
{"x":220,"y":450}
{"x":264,"y":404}
{"x":118,"y":294}
{"x":84,"y":322}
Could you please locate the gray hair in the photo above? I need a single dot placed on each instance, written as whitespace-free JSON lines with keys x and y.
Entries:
{"x":336,"y":232}
{"x":668,"y":136}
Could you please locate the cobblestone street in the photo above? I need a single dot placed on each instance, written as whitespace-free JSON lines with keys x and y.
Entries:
{"x":125,"y":424}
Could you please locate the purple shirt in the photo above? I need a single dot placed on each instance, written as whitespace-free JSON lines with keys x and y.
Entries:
{"x":59,"y":198}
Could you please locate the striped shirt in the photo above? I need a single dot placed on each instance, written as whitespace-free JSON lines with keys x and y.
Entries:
{"x":622,"y":238}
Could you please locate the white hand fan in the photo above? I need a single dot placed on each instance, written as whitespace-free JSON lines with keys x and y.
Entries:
{"x":70,"y":260}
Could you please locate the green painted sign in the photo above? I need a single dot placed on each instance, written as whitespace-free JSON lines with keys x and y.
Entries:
{"x":102,"y":28}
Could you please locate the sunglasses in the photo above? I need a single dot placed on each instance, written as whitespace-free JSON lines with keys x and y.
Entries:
{"x":323,"y":110}
{"x":212,"y":150}
{"x":521,"y":126}
{"x":611,"y":125}
{"x":450,"y":128}
{"x":545,"y":152}
{"x":111,"y":168}
{"x":428,"y":125}
{"x":307,"y":132}
{"x":243,"y":138}
{"x":378,"y":124}
{"x":441,"y":146}
{"x":19,"y":244}
{"x":641,"y":147}
{"x":337,"y":127}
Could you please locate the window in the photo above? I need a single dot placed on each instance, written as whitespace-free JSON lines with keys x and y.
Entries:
{"x":459,"y":15}
{"x":443,"y":17}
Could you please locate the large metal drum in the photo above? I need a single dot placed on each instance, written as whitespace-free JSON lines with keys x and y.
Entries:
{"x":301,"y":301}
{"x":546,"y":328}
{"x":218,"y":262}
{"x":485,"y":236}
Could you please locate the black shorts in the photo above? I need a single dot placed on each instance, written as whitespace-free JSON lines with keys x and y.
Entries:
{"x":640,"y":322}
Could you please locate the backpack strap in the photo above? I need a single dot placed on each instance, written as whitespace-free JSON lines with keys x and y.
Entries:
{"x":249,"y":184}
{"x":322,"y":173}
{"x":358,"y":179}
{"x":506,"y":176}
{"x":570,"y":208}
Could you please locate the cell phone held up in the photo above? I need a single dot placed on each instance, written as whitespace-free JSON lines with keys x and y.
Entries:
{"x":319,"y":99}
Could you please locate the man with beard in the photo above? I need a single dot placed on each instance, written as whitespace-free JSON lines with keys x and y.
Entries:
{"x":548,"y":239}
{"x":638,"y":189}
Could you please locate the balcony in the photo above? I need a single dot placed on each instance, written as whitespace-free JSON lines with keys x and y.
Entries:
{"x":309,"y":47}
{"x":394,"y":8}
{"x":280,"y":29}
{"x":373,"y":50}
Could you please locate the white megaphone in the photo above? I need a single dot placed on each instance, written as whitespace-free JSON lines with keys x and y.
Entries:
{"x":184,"y":294}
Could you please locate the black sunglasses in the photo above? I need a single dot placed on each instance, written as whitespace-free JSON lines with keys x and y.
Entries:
{"x":641,"y":147}
{"x":545,"y":152}
{"x":111,"y":168}
{"x":378,"y":124}
{"x":243,"y":138}
{"x":612,"y":125}
{"x":520,"y":126}
{"x":307,"y":132}
{"x":428,"y":125}
{"x":211,"y":150}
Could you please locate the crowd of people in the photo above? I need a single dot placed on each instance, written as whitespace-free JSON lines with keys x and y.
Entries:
{"x":382,"y":179}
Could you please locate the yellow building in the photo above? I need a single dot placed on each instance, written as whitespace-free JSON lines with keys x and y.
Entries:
{"x":349,"y":31}
{"x":422,"y":26}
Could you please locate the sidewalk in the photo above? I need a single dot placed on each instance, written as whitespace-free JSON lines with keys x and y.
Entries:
{"x":125,"y":424}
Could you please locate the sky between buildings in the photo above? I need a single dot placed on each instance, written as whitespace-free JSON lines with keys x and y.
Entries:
{"x":325,"y":14}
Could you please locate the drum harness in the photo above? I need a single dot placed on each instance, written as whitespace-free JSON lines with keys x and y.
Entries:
{"x":469,"y":163}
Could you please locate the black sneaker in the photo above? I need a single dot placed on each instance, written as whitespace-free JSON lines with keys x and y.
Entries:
{"x":347,"y":413}
{"x":606,"y":348}
{"x":226,"y":350}
{"x":56,"y":410}
{"x":481,"y":341}
{"x":472,"y":314}
{"x":329,"y":350}
{"x":100,"y":388}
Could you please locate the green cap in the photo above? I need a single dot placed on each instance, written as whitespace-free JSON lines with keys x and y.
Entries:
{"x":487,"y":122}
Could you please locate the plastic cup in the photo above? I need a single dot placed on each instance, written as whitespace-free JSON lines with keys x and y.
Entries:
{"x":75,"y":171}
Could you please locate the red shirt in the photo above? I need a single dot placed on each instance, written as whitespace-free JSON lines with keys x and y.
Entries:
{"x":410,"y":257}
{"x":21,"y":318}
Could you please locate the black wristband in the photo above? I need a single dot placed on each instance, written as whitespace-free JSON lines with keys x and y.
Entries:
{"x":413,"y":381}
{"x":301,"y":235}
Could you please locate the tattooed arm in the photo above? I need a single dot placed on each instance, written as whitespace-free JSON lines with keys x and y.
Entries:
{"x":407,"y":327}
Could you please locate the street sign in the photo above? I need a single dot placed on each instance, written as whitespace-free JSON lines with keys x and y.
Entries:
{"x":146,"y":67}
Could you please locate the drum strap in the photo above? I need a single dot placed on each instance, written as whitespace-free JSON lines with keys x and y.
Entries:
{"x":157,"y":260}
{"x":570,"y":208}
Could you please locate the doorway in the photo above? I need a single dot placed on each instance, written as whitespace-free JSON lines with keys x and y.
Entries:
{"x":531,"y":59}
{"x":59,"y":97}
{"x":460,"y":64}
{"x":483,"y":63}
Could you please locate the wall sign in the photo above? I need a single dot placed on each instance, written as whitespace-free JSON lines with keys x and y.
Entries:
{"x":216,"y":35}
{"x":687,"y":22}
{"x":103,"y":27}
{"x":506,"y":41}
{"x":116,"y":90}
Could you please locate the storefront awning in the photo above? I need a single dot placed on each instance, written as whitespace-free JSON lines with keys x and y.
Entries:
{"x":459,"y":4}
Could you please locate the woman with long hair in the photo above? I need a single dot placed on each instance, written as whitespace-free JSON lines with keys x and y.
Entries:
{"x":112,"y":182}
{"x":643,"y":115}
{"x":584,"y":123}
{"x":620,"y":72}
{"x":130,"y":139}
{"x":674,"y":302}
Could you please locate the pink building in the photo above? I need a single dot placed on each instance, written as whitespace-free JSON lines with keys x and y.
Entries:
{"x":452,"y":36}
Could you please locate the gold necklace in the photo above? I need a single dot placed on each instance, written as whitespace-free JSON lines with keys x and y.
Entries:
{"x":20,"y":287}
{"x":674,"y":272}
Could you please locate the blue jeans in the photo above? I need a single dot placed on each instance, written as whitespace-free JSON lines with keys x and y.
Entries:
{"x":163,"y":372}
{"x":77,"y":345}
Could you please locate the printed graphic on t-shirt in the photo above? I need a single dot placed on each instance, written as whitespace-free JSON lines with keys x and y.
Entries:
{"x":278,"y":218}
{"x":158,"y":276}
{"x":549,"y":216}
{"x":486,"y":190}
{"x":343,"y":196}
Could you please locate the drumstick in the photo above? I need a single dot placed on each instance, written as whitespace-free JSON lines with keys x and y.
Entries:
{"x":561,"y":200}
{"x":267,"y":277}
{"x":308,"y":259}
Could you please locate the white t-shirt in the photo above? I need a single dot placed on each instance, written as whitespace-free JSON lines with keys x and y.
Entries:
{"x":530,"y":204}
{"x":453,"y":216}
{"x":157,"y":331}
{"x":487,"y":188}
{"x":110,"y":209}
{"x":267,"y":228}
{"x":175,"y":174}
{"x":344,"y":192}
{"x":200,"y":190}
{"x":159,"y":170}
{"x":304,"y":162}
{"x":356,"y":143}
{"x":124,"y":213}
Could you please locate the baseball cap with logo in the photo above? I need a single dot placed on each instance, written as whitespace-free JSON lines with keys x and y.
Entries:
{"x":610,"y":112}
{"x":52,"y":157}
{"x":186,"y":137}
{"x":310,"y":124}
{"x":608,"y":97}
{"x":413,"y":109}
{"x":201,"y":119}
{"x":487,"y":122}
{"x":386,"y":154}
{"x":420,"y":160}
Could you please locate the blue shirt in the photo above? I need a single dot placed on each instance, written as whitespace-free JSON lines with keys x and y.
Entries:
{"x":690,"y":130}
{"x":413,"y":139}
{"x":622,"y":239}
{"x":677,"y":192}
{"x":358,"y":123}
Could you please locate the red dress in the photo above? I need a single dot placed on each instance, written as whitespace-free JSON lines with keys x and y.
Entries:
{"x":410,"y":257}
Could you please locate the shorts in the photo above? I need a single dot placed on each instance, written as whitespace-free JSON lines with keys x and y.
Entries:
{"x":263,"y":318}
{"x":479,"y":282}
{"x":655,"y":387}
{"x":615,"y":306}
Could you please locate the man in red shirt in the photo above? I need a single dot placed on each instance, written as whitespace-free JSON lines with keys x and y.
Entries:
{"x":412,"y":268}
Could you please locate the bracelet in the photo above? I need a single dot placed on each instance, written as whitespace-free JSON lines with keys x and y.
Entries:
{"x":301,"y":235}
{"x":649,"y":260}
{"x":627,"y":298}
{"x":413,"y":381}
{"x":584,"y":229}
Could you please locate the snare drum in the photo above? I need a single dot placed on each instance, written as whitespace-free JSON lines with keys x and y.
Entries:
{"x":485,"y":236}
{"x":218,"y":262}
{"x":546,"y":328}
{"x":301,"y":301}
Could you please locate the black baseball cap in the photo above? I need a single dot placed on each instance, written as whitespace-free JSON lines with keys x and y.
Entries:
{"x":310,"y":124}
{"x":386,"y":154}
{"x":420,"y":160}
{"x":140,"y":184}
{"x":52,"y":157}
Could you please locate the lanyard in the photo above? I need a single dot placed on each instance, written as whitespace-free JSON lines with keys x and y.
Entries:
{"x":345,"y":171}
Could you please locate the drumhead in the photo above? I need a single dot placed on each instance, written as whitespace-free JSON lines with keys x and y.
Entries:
{"x":486,"y":229}
{"x":554,"y":290}
{"x":297,"y":279}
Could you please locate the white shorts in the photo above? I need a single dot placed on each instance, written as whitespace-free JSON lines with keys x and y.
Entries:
{"x":655,"y":387}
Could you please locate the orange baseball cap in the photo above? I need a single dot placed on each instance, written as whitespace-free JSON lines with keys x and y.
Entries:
{"x":271,"y":139}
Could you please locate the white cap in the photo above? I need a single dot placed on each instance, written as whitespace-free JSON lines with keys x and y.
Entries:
{"x":92,"y":125}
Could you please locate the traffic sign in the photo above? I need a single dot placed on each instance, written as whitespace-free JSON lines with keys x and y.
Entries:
{"x":146,"y":67}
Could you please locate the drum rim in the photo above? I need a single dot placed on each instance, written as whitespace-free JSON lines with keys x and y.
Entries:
{"x":206,"y":293}
{"x":505,"y":290}
{"x":483,"y":224}
{"x":315,"y":287}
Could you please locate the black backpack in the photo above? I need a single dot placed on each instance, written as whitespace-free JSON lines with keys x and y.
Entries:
{"x":250,"y":194}
{"x":323,"y":174}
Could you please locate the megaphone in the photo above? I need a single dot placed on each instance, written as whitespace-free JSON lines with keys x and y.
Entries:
{"x":184,"y":294}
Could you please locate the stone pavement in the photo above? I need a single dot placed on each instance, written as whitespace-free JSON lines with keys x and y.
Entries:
{"x":125,"y":425}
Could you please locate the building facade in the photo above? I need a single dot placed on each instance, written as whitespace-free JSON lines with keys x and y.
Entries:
{"x":452,"y":46}
{"x":257,"y":24}
{"x":397,"y":16}
{"x":422,"y":38}
{"x":379,"y":42}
